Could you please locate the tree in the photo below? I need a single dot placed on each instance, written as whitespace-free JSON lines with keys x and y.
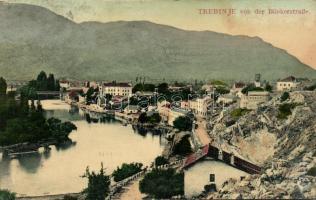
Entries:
{"x":42,"y":81}
{"x":98,"y":184}
{"x":162,"y":184}
{"x":163,"y":88}
{"x":126,"y":170}
{"x":160,"y":160}
{"x":183,"y":123}
{"x":183,"y":148}
{"x":3,"y":86}
{"x":284,"y":96}
{"x":268,"y":87}
{"x":51,"y":82}
{"x":6,"y":195}
{"x":142,"y":118}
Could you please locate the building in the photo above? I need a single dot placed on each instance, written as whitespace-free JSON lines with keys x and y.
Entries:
{"x":287,"y":84}
{"x":116,"y":89}
{"x":163,"y":110}
{"x":254,"y":99}
{"x":226,"y":99}
{"x":199,"y":105}
{"x":237,"y":88}
{"x":64,"y":84}
{"x":131,"y":109}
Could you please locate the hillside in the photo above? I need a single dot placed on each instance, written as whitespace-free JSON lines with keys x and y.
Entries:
{"x":33,"y":38}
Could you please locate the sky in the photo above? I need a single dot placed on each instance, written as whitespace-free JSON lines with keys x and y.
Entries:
{"x":296,"y":33}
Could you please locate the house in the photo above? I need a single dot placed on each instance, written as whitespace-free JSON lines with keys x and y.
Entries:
{"x":253,"y":99}
{"x":226,"y":99}
{"x":163,"y":110}
{"x":199,"y":105}
{"x":287,"y":84}
{"x":116,"y":89}
{"x":64,"y":84}
{"x":131,"y":109}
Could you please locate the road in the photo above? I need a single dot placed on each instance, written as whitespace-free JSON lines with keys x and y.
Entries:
{"x":201,"y":133}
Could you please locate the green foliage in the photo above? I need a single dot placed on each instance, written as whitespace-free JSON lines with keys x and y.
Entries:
{"x":126,"y":170}
{"x":6,"y":195}
{"x":155,"y":118}
{"x":98,"y":184}
{"x":250,"y":88}
{"x":20,"y":123}
{"x":222,"y":90}
{"x":183,"y":123}
{"x":89,"y":94}
{"x":311,"y":171}
{"x":160,"y":160}
{"x":163,"y":88}
{"x":183,"y":148}
{"x":268,"y":87}
{"x":69,"y":197}
{"x":3,"y":86}
{"x":284,"y":96}
{"x":218,"y":83}
{"x":285,"y":110}
{"x":310,"y":88}
{"x":162,"y":184}
{"x":146,"y":87}
{"x":238,"y":112}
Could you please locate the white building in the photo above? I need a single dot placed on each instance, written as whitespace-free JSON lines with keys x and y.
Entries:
{"x":131,"y":109}
{"x":226,"y":99}
{"x":287,"y":84}
{"x":253,"y":99}
{"x":116,"y":89}
{"x":64,"y":84}
{"x":199,"y":105}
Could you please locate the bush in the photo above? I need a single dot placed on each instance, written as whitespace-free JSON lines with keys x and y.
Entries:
{"x":126,"y":170}
{"x":311,"y":171}
{"x":69,"y":197}
{"x":183,"y":148}
{"x":6,"y":195}
{"x":285,"y":110}
{"x":162,"y":184}
{"x":183,"y":123}
{"x":238,"y":112}
{"x":285,"y":96}
{"x":160,"y":160}
{"x":98,"y":184}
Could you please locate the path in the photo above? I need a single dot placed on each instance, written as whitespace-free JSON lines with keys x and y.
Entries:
{"x":201,"y":132}
{"x":132,"y":192}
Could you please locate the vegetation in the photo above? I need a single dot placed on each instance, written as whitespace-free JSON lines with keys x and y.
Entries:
{"x":162,"y":184}
{"x":218,"y":82}
{"x":6,"y":195}
{"x":222,"y":90}
{"x":310,"y":88}
{"x":144,"y":87}
{"x":3,"y":86}
{"x":98,"y":184}
{"x":285,"y":110}
{"x":155,"y":118}
{"x":285,"y":96}
{"x":126,"y":170}
{"x":183,"y":123}
{"x":183,"y":148}
{"x":44,"y":83}
{"x":238,"y":112}
{"x":160,"y":160}
{"x":268,"y":87}
{"x":312,"y":171}
{"x":69,"y":197}
{"x":21,"y":122}
{"x":250,"y":88}
{"x":163,"y":88}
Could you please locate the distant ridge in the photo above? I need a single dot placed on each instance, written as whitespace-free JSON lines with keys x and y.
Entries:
{"x":33,"y":38}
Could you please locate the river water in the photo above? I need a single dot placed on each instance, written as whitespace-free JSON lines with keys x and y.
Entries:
{"x":59,"y":170}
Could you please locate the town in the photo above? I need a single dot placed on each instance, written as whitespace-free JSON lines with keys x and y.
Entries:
{"x":243,"y":124}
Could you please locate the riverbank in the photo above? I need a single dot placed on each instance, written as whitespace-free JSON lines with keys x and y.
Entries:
{"x":49,"y":197}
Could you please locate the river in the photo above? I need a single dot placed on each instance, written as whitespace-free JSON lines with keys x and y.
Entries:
{"x":59,"y":171}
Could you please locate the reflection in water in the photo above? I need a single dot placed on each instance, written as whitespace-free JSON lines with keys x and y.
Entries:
{"x":59,"y":170}
{"x":30,"y":162}
{"x":66,"y":145}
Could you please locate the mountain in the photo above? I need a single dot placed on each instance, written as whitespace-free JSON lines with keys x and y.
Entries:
{"x":33,"y":38}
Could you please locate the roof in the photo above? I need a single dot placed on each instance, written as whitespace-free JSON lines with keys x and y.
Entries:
{"x":239,"y":85}
{"x":115,"y":84}
{"x":288,"y":79}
